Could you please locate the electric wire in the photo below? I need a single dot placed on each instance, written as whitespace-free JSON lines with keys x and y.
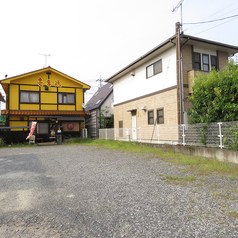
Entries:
{"x":202,"y":22}
{"x":214,"y":27}
{"x":198,"y":25}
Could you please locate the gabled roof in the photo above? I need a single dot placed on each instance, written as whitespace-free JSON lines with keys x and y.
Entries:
{"x":185,"y":39}
{"x":9,"y":80}
{"x":1,"y":98}
{"x":99,"y":97}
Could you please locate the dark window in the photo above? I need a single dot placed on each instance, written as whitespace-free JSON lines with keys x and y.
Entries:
{"x":197,"y":61}
{"x":154,"y":68}
{"x":214,"y":62}
{"x":29,"y":97}
{"x":160,"y":116}
{"x":205,"y":62}
{"x":66,"y":98}
{"x":120,"y":128}
{"x":151,"y":117}
{"x":42,"y":128}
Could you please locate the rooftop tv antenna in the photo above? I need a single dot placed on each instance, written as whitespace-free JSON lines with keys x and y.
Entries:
{"x":100,"y":80}
{"x":46,"y":55}
{"x":175,"y":9}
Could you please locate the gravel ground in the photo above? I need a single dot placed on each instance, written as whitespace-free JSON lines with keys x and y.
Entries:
{"x":79,"y":191}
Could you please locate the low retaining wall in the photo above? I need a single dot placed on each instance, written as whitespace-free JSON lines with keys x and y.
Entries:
{"x":214,"y":153}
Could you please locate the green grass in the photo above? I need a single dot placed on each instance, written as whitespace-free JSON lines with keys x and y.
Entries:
{"x":179,"y":180}
{"x":233,"y":214}
{"x":195,"y":164}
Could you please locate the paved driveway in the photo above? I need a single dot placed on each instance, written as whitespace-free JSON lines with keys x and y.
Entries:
{"x":79,"y":191}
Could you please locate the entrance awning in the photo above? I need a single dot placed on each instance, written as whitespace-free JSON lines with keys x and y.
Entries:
{"x":131,"y":110}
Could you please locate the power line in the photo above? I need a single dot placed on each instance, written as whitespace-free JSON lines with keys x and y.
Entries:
{"x":224,"y":8}
{"x":202,"y":22}
{"x":213,"y":27}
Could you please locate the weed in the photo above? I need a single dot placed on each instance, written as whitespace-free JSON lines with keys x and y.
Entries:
{"x":233,"y":214}
{"x":2,"y":142}
{"x":232,"y":177}
{"x":180,"y":180}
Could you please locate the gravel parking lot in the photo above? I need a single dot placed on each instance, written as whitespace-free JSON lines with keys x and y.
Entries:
{"x":80,"y":191}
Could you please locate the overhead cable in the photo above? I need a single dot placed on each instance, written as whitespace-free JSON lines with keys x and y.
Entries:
{"x":202,"y":22}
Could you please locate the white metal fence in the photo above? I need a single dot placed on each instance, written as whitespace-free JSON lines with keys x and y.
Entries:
{"x":221,"y":134}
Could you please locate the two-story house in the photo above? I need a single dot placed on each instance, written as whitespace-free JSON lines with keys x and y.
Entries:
{"x":49,"y":97}
{"x":101,"y":100}
{"x":154,"y":89}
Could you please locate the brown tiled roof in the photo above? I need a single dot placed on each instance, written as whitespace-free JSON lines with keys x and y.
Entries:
{"x":43,"y":113}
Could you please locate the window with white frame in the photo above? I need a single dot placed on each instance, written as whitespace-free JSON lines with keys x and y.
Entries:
{"x":205,"y":62}
{"x":66,"y":98}
{"x":29,"y":97}
{"x":154,"y":69}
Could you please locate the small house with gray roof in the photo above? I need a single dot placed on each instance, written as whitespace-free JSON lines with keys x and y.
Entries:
{"x":102,"y":99}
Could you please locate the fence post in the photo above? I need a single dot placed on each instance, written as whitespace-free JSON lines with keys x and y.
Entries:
{"x":183,"y":135}
{"x":106,"y":133}
{"x":220,"y":135}
{"x":115,"y":134}
{"x":127,"y":134}
{"x":140,"y":133}
{"x":158,"y":133}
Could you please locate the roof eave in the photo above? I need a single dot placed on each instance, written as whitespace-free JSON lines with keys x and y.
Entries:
{"x":229,"y":48}
{"x":137,"y":61}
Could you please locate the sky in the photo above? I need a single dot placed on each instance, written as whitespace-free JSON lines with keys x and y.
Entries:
{"x":94,"y":39}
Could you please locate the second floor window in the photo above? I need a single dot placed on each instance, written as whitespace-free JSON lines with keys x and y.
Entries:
{"x":66,"y":98}
{"x":214,"y":62}
{"x":205,"y":62}
{"x":154,"y":69}
{"x":29,"y":97}
{"x":197,"y":61}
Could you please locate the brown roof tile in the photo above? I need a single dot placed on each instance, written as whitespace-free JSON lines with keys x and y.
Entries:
{"x":43,"y":112}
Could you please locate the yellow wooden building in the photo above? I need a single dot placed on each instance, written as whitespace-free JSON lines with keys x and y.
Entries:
{"x":49,"y":97}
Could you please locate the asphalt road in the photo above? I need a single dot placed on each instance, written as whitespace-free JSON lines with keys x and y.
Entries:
{"x":79,"y":191}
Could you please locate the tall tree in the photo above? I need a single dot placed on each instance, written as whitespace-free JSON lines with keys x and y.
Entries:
{"x":215,"y":96}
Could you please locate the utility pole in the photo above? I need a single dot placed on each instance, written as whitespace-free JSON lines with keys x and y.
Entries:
{"x":46,"y":55}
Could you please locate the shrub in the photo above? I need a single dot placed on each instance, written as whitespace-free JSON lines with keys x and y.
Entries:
{"x":2,"y":142}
